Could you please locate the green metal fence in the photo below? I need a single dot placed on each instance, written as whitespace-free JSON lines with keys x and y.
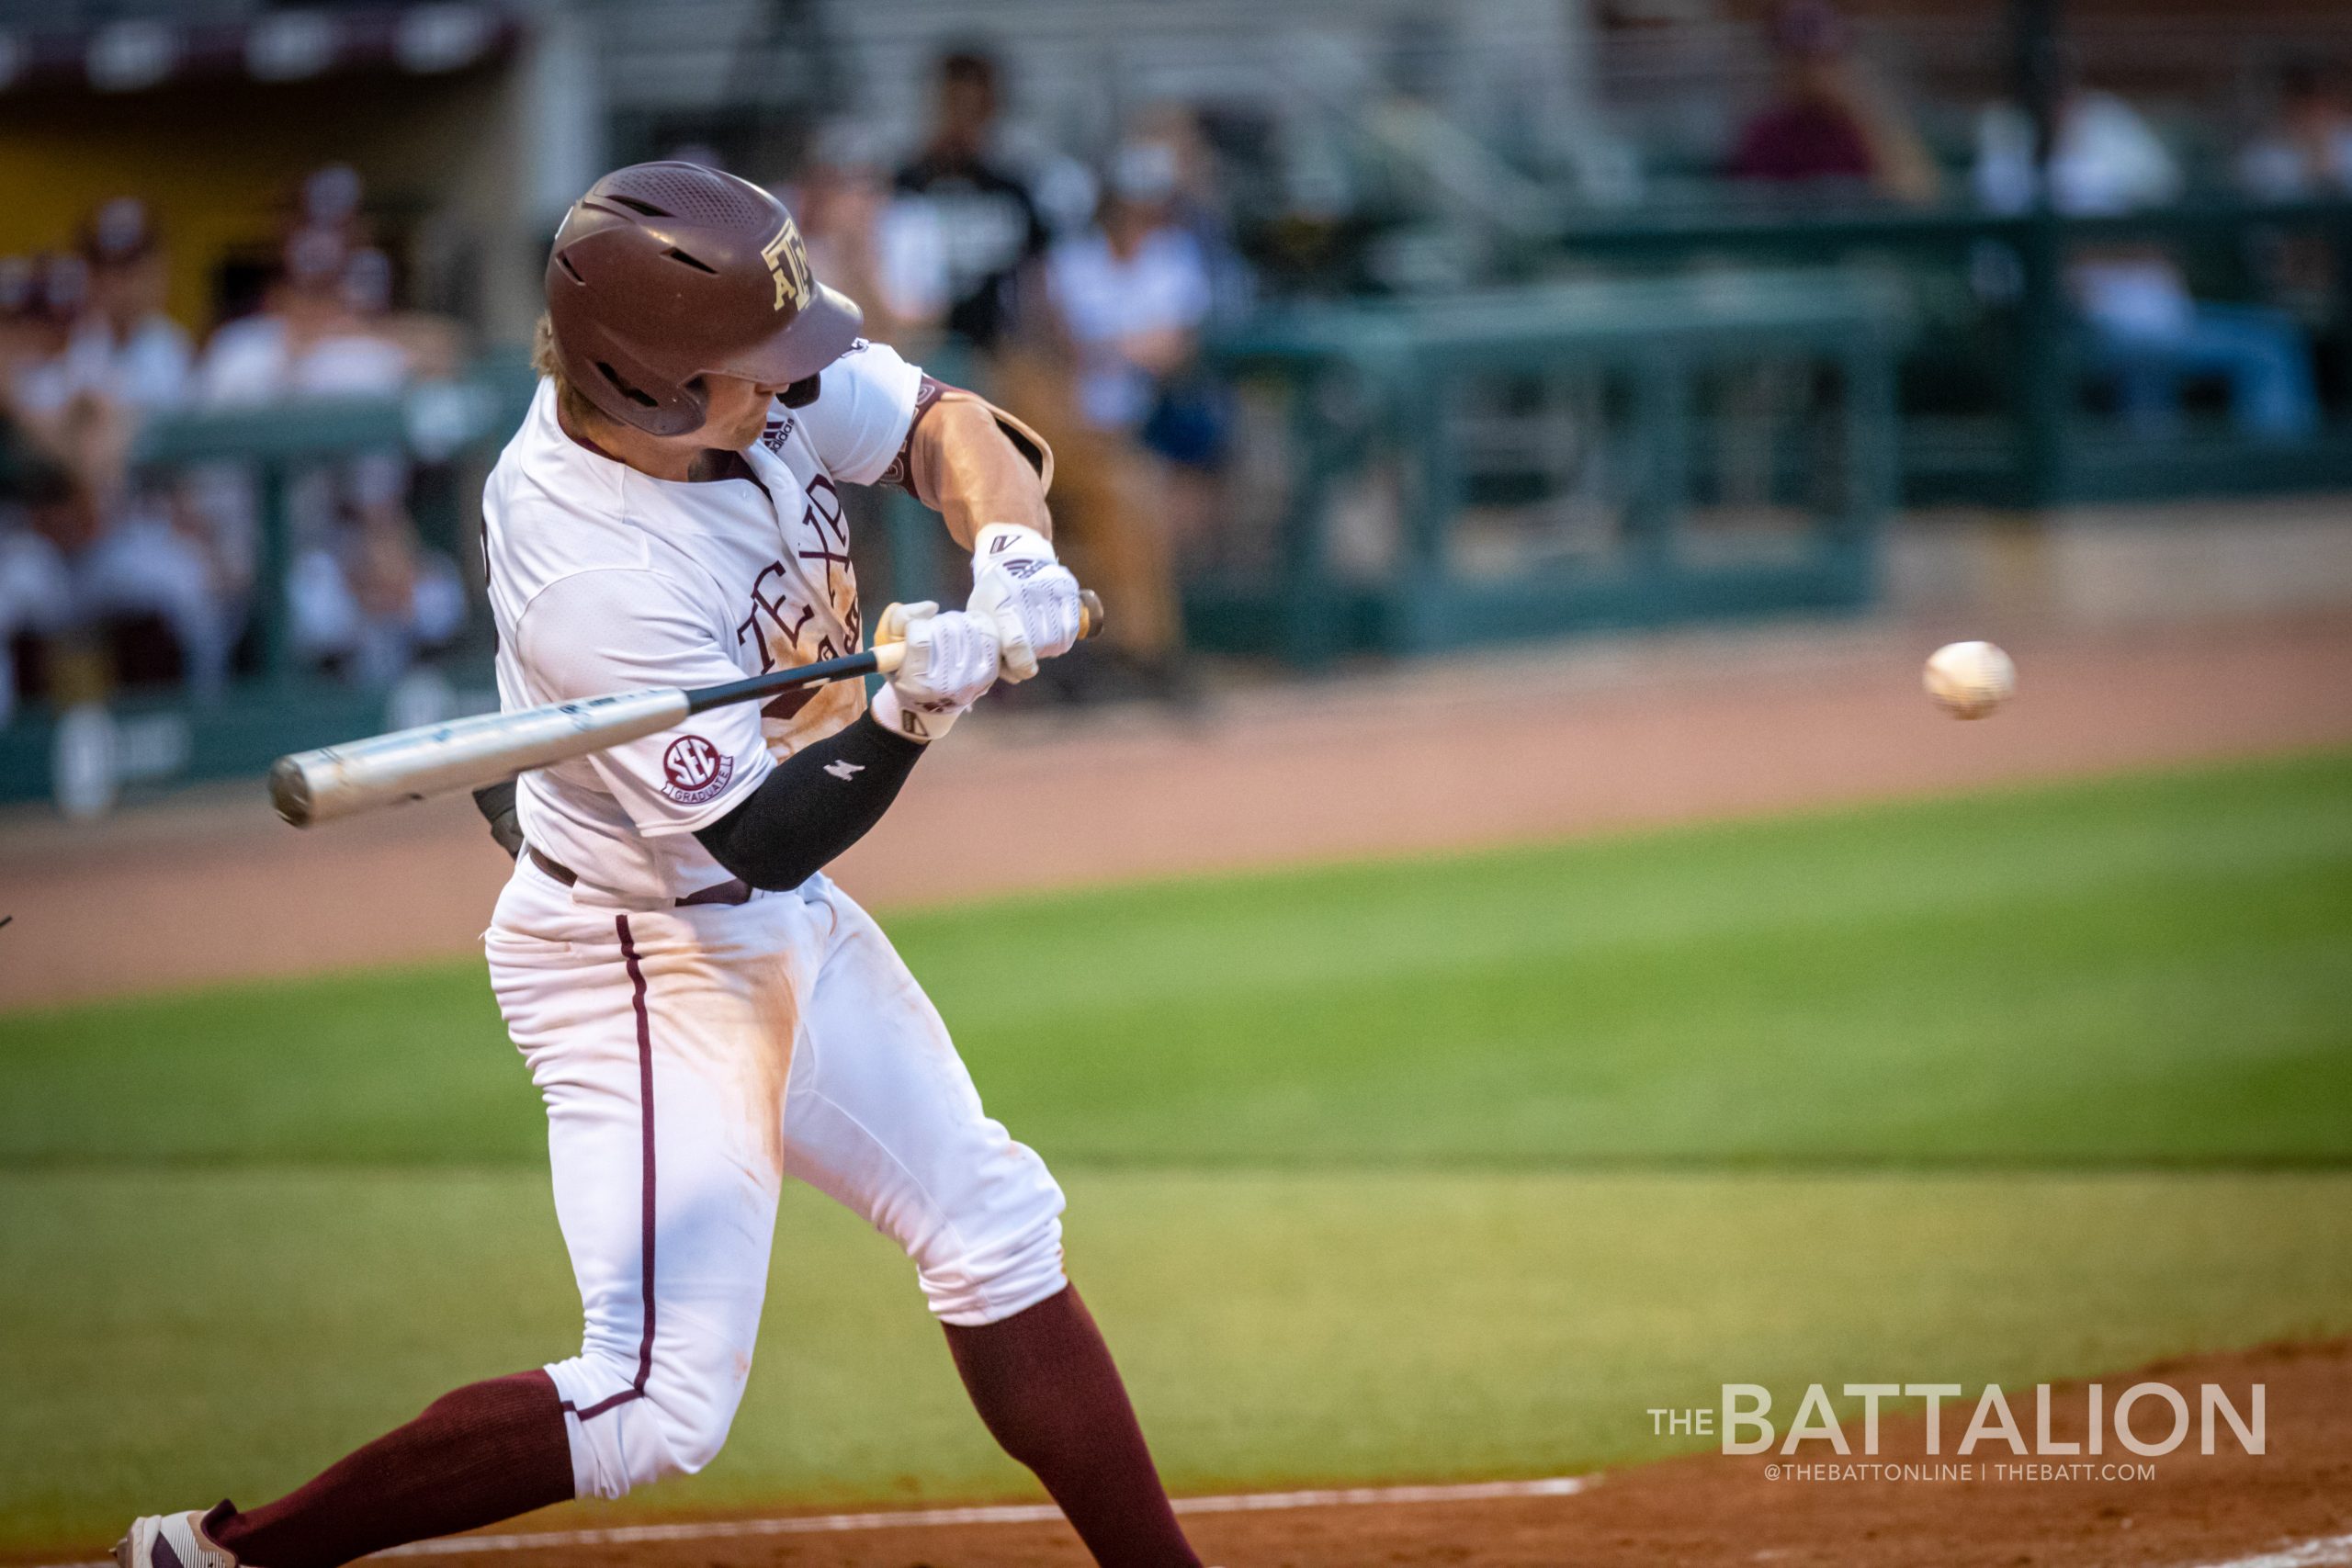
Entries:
{"x":1639,"y":384}
{"x":1995,"y":387}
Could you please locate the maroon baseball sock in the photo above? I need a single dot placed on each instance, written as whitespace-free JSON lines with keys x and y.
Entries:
{"x":484,"y":1453}
{"x":1044,"y":1383}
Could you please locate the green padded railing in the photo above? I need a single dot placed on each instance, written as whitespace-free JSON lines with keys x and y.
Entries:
{"x":2026,"y":436}
{"x":1376,"y":383}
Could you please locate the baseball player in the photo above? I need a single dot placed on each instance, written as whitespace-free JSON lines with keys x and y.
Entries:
{"x":704,"y":1012}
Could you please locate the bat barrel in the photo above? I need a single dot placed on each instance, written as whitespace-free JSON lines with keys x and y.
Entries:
{"x":466,"y":753}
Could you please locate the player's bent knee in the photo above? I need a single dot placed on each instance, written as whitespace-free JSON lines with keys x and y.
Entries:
{"x":692,"y":1430}
{"x":674,"y":1424}
{"x":987,"y":1278}
{"x":645,"y":1439}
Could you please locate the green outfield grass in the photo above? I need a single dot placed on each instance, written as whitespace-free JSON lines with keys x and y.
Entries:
{"x":223,"y":1333}
{"x":1439,"y":1167}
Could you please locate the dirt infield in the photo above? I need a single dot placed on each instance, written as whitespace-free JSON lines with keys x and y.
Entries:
{"x":1472,"y":751}
{"x":2249,"y":1511}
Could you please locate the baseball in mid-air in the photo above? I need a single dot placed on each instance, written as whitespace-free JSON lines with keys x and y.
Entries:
{"x":1969,"y":680}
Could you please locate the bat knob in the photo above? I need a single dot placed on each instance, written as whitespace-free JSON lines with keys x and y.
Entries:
{"x":290,"y":791}
{"x":1091,"y":616}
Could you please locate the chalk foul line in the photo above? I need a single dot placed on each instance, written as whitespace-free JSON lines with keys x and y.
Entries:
{"x":994,"y":1514}
{"x":2322,"y":1551}
{"x":997,"y":1514}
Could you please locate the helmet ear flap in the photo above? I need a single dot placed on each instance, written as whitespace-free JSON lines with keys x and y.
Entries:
{"x":621,"y":388}
{"x":642,"y":399}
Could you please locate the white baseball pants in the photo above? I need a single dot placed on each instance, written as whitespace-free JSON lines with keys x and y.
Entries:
{"x":690,"y":1059}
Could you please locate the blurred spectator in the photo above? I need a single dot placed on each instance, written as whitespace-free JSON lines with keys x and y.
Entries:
{"x":98,"y":558}
{"x":35,"y":597}
{"x":1199,"y":204}
{"x":122,"y":346}
{"x":885,"y":251}
{"x":1827,"y":124}
{"x":363,"y":595}
{"x":1130,"y":295}
{"x":2306,"y":151}
{"x":1127,"y":301}
{"x":986,"y":215}
{"x":19,"y":286}
{"x":36,"y":594}
{"x":55,"y":292}
{"x":1191,"y":418}
{"x":307,"y":340}
{"x":2146,"y":331}
{"x":331,"y":200}
{"x":2104,"y":158}
{"x":431,"y":346}
{"x":107,"y":550}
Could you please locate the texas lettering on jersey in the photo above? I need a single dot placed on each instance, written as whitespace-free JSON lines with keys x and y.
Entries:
{"x":601,"y":581}
{"x":783,"y":600}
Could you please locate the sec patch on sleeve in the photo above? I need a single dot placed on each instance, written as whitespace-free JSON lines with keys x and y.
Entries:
{"x":693,"y":770}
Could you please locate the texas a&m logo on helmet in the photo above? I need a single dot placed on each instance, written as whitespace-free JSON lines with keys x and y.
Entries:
{"x":788,"y":260}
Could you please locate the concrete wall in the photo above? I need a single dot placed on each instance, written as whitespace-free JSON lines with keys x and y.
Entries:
{"x":2117,"y":566}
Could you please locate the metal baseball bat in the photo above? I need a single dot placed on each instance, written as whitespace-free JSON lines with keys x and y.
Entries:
{"x":466,"y":753}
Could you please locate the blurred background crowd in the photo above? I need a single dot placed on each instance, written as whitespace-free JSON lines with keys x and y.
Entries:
{"x":154,"y":571}
{"x":1077,"y":208}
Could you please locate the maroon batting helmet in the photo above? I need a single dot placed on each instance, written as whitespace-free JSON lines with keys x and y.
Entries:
{"x":666,"y":272}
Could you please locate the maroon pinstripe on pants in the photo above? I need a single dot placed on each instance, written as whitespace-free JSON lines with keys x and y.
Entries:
{"x":635,"y":1390}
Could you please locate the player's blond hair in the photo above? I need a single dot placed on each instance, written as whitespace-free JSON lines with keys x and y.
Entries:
{"x":578,"y":412}
{"x":543,"y":359}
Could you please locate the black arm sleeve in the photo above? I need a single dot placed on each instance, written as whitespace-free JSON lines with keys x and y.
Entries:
{"x":819,"y":801}
{"x":496,"y":803}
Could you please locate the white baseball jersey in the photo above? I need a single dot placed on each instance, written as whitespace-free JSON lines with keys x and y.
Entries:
{"x":693,"y":1057}
{"x":603,"y":579}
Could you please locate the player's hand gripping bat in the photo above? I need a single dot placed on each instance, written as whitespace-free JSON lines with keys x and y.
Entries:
{"x":464,"y":753}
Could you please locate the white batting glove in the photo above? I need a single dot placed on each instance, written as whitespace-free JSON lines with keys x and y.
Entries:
{"x":951,"y":659}
{"x":1019,"y":585}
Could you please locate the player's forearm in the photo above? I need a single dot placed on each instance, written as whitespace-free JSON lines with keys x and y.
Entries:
{"x":967,"y":468}
{"x":819,"y":801}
